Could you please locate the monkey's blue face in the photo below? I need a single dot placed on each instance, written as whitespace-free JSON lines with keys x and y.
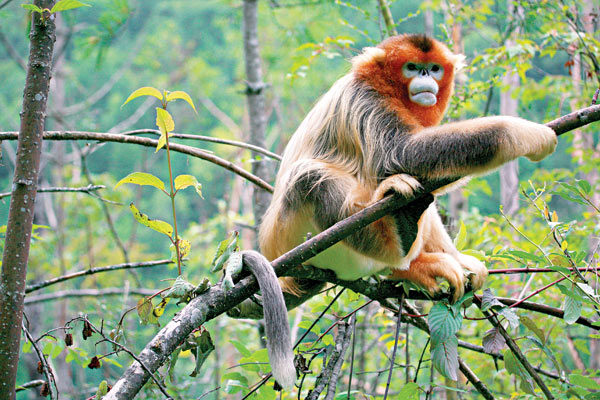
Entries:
{"x":424,"y":77}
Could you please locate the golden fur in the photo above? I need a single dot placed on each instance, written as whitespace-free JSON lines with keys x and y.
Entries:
{"x":365,"y":138}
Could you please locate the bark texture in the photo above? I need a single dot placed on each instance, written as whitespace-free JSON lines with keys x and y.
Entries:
{"x":256,"y":104}
{"x":24,"y":189}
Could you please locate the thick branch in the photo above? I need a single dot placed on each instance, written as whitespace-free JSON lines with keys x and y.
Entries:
{"x":215,"y":302}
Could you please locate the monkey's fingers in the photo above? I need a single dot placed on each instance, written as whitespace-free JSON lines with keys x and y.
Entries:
{"x":478,"y":271}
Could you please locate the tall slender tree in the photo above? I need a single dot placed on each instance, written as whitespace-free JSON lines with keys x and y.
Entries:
{"x":24,"y":190}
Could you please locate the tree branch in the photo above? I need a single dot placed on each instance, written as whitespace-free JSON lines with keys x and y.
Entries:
{"x":119,"y":138}
{"x":95,"y":270}
{"x":62,"y":294}
{"x":85,"y":189}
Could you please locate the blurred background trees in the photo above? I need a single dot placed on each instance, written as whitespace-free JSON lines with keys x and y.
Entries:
{"x":534,"y":59}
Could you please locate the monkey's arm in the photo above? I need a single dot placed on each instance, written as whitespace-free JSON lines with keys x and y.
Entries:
{"x":473,"y":147}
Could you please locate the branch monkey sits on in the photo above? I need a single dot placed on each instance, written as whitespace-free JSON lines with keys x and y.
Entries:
{"x":376,"y":131}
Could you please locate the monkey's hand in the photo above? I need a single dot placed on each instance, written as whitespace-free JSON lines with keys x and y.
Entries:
{"x":402,"y":184}
{"x":537,"y":140}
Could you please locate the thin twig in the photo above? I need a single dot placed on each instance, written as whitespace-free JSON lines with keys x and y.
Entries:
{"x":95,"y":270}
{"x":45,"y":366}
{"x":157,"y":381}
{"x":397,"y":335}
{"x":105,"y":210}
{"x":30,"y":385}
{"x":87,"y":293}
{"x":471,"y":377}
{"x":512,"y":345}
{"x":210,"y":139}
{"x":85,"y":189}
{"x":147,"y":142}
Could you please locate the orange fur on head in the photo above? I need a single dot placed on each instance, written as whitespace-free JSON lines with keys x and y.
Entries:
{"x":383,"y":71}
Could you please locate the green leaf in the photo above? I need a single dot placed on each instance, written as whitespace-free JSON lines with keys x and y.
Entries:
{"x":527,"y":256}
{"x":233,"y":266}
{"x":241,"y":348}
{"x":227,"y":245}
{"x":184,"y":181}
{"x":572,"y":310}
{"x":178,"y":94}
{"x":444,"y":355}
{"x":144,"y":91}
{"x":443,"y":324}
{"x":64,"y":5}
{"x":156,"y":224}
{"x":142,"y":178}
{"x":164,"y":121}
{"x":488,"y":301}
{"x":32,"y":7}
{"x":27,"y":346}
{"x":460,"y":240}
{"x":180,"y":288}
{"x":533,"y":327}
{"x":493,"y":341}
{"x":584,"y":381}
{"x":584,"y":185}
{"x":410,"y":391}
{"x":511,"y":316}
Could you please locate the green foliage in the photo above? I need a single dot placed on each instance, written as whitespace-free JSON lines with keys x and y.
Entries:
{"x":303,"y":50}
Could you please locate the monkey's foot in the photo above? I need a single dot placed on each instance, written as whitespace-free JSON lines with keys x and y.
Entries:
{"x":478,"y":271}
{"x":403,"y":184}
{"x":428,"y":267}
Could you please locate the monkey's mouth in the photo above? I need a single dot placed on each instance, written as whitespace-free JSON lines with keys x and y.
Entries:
{"x":424,"y":98}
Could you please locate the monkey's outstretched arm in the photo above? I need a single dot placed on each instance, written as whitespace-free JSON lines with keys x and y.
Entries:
{"x":473,"y":147}
{"x":279,"y":344}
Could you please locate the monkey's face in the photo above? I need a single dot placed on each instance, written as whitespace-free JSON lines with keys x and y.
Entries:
{"x":414,"y":73}
{"x":424,"y":77}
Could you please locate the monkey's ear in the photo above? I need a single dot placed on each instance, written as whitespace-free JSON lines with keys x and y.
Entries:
{"x":458,"y":60}
{"x":368,"y":57}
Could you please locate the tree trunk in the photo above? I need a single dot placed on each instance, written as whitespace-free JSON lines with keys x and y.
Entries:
{"x":256,"y":104}
{"x":22,"y":201}
{"x":509,"y":173}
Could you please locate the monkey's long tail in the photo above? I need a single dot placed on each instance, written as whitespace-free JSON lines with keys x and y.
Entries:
{"x":279,"y":343}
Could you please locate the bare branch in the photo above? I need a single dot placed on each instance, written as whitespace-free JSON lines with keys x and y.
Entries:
{"x":63,"y":294}
{"x":85,"y":189}
{"x":96,"y":270}
{"x":209,"y":139}
{"x":512,"y":345}
{"x":45,"y":366}
{"x":111,"y":137}
{"x":30,"y":385}
{"x":10,"y":49}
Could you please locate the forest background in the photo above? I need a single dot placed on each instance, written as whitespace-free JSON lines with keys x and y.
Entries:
{"x":534,"y":59}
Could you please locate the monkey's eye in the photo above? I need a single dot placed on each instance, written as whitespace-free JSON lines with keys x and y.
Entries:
{"x":435,"y":68}
{"x":411,"y":67}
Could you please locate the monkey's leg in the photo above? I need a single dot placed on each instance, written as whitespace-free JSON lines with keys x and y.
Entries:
{"x":438,"y":240}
